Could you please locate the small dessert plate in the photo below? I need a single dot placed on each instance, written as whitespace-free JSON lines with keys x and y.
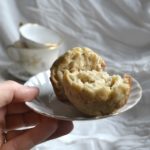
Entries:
{"x":47,"y":103}
{"x":18,"y":72}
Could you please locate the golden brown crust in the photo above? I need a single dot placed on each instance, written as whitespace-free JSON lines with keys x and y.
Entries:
{"x":128,"y":80}
{"x":74,"y":59}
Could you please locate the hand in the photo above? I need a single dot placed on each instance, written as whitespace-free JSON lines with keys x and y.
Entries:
{"x":15,"y":114}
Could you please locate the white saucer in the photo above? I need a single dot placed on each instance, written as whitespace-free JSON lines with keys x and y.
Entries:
{"x":18,"y":72}
{"x":48,"y":105}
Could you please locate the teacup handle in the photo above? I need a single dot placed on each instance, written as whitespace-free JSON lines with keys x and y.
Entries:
{"x":13,"y":53}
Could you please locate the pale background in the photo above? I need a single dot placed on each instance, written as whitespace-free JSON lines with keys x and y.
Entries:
{"x":117,"y":29}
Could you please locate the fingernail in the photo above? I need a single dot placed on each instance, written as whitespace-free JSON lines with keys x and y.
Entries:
{"x":32,"y":87}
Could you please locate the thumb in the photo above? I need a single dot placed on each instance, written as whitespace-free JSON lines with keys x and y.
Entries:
{"x":12,"y":91}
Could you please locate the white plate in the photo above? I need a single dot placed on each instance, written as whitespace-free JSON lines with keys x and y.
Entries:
{"x":48,"y":105}
{"x":18,"y":72}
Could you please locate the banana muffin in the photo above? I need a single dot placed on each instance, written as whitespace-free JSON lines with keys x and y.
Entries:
{"x":76,"y":59}
{"x":96,"y":92}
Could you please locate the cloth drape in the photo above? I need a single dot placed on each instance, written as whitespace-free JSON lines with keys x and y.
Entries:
{"x":119,"y":30}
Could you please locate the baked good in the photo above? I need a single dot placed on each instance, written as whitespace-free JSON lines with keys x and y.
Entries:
{"x":96,"y":92}
{"x":75,"y":59}
{"x":78,"y":77}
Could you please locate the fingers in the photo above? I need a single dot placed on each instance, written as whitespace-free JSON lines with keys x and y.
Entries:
{"x":64,"y":128}
{"x":13,"y":134}
{"x":22,"y":120}
{"x":33,"y":136}
{"x":14,"y":92}
{"x":16,"y":108}
{"x":2,"y":124}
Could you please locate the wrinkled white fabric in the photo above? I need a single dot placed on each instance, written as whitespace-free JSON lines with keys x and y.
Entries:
{"x":117,"y":29}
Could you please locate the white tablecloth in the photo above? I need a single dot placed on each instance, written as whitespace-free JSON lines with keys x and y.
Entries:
{"x":117,"y":29}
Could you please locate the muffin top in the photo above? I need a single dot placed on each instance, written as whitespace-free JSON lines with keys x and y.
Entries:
{"x":73,"y":60}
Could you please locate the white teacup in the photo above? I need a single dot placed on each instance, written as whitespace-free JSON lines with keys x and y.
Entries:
{"x":37,"y":36}
{"x":32,"y":60}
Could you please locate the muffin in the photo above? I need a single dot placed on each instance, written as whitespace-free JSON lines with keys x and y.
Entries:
{"x":96,"y":92}
{"x":76,"y":59}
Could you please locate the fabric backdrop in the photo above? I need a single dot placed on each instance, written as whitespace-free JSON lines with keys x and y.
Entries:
{"x":117,"y":29}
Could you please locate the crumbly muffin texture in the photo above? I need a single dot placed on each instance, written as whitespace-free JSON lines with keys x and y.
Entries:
{"x":78,"y":77}
{"x":75,"y":59}
{"x":96,"y":93}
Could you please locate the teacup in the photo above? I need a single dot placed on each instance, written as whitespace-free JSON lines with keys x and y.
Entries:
{"x":32,"y":60}
{"x":37,"y":36}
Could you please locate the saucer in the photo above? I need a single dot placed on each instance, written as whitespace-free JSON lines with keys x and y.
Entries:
{"x":48,"y":105}
{"x":18,"y":72}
